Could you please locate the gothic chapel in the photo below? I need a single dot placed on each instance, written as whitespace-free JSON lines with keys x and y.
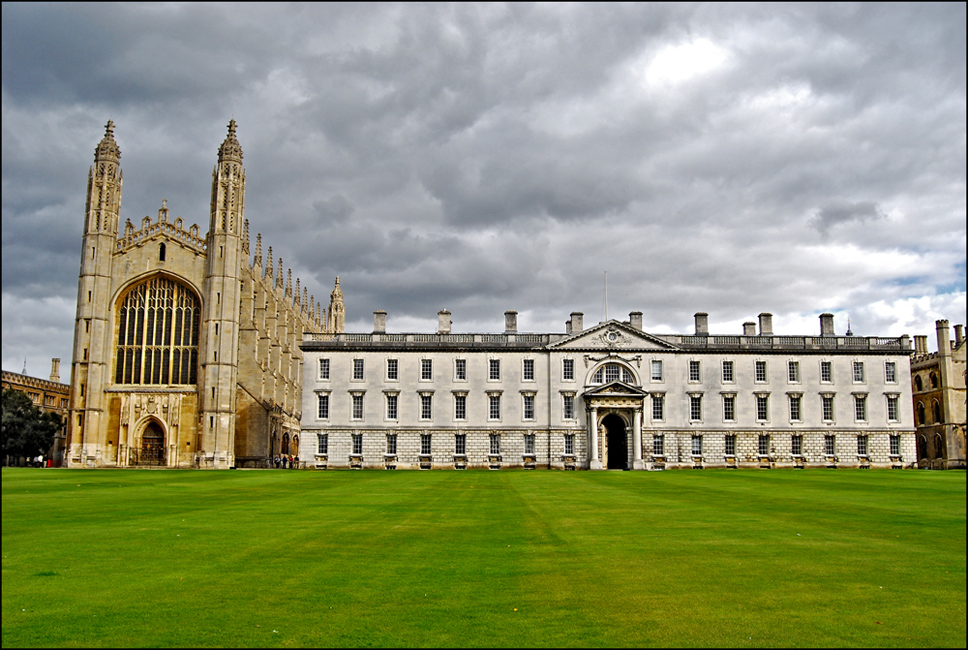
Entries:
{"x":186,"y":351}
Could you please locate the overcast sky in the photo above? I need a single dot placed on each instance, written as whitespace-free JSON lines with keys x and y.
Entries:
{"x":732,"y":159}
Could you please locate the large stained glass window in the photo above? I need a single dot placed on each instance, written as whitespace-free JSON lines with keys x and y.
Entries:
{"x":157,"y":334}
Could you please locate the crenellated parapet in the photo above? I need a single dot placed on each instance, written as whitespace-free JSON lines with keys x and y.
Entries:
{"x":149,"y":230}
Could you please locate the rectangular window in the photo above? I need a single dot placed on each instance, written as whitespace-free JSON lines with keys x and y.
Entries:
{"x":656,"y":370}
{"x":357,"y":444}
{"x":827,"y":408}
{"x":529,"y":443}
{"x":357,"y":407}
{"x":568,"y":409}
{"x":861,"y":445}
{"x":729,"y":408}
{"x":494,"y":369}
{"x":796,"y":445}
{"x":697,"y":445}
{"x":426,"y":407}
{"x":658,"y":445}
{"x":424,"y":444}
{"x":322,"y":443}
{"x":895,"y":444}
{"x":324,"y":368}
{"x":892,"y":412}
{"x":890,"y":372}
{"x":730,"y":445}
{"x":793,"y":372}
{"x":460,"y":369}
{"x":826,"y":372}
{"x":322,"y":407}
{"x":529,"y":407}
{"x":658,"y":407}
{"x":695,"y":407}
{"x":392,"y":444}
{"x":763,"y":445}
{"x":860,"y":408}
{"x":858,"y":371}
{"x":759,"y":370}
{"x":460,"y":407}
{"x":794,"y":408}
{"x":829,"y":445}
{"x":569,"y":443}
{"x":694,"y":374}
{"x":762,"y":407}
{"x":357,"y":368}
{"x":391,"y":406}
{"x":460,"y":444}
{"x":494,"y":407}
{"x":528,"y":370}
{"x":392,"y":369}
{"x":568,"y":369}
{"x":495,"y":443}
{"x":426,"y":369}
{"x":727,"y":372}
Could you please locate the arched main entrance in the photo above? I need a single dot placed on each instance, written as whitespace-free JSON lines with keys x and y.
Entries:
{"x":152,"y":445}
{"x":616,"y":443}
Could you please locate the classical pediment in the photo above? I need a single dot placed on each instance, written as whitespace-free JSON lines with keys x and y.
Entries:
{"x":614,"y":389}
{"x":612,"y":335}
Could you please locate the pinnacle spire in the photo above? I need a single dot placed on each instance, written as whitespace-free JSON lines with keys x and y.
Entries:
{"x":268,"y":272}
{"x":257,"y":261}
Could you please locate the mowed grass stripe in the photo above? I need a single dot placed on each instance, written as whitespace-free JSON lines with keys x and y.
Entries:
{"x":276,"y":558}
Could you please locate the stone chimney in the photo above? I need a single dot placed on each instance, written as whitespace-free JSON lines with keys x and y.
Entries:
{"x":702,"y":323}
{"x":443,"y":322}
{"x":749,"y":328}
{"x":959,"y":334}
{"x":379,"y":322}
{"x":905,"y":342}
{"x":920,"y":344}
{"x":766,"y":324}
{"x":55,"y":369}
{"x":510,"y":322}
{"x":944,"y":343}
{"x":827,"y":325}
{"x":635,"y":320}
{"x":576,"y":319}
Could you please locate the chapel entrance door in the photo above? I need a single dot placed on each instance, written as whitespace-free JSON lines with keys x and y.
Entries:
{"x":616,"y":444}
{"x":152,"y":445}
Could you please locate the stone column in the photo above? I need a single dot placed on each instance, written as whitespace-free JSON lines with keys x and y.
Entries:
{"x":637,"y":439}
{"x":596,"y":462}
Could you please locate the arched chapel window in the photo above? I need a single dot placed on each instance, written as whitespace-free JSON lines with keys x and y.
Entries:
{"x":934,"y":380}
{"x":918,"y":383}
{"x":157,"y":339}
{"x":920,"y":413}
{"x":936,"y":408}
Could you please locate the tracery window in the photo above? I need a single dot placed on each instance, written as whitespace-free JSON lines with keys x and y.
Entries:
{"x":157,"y":334}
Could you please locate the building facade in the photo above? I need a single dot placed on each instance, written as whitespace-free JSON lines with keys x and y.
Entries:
{"x":938,"y":385}
{"x":610,"y":396}
{"x":186,"y":345}
{"x":50,"y":396}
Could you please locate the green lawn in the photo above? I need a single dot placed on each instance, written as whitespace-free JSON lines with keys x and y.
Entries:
{"x":509,"y":558}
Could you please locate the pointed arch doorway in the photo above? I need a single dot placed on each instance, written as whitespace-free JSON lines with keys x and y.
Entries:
{"x":152,"y":445}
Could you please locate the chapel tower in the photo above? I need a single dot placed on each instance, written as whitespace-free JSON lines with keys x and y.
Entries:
{"x":91,"y":356}
{"x":220,"y":324}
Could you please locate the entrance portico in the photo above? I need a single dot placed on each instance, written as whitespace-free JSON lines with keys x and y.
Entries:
{"x":612,"y":409}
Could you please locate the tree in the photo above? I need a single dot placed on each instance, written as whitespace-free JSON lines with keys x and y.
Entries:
{"x":27,"y":431}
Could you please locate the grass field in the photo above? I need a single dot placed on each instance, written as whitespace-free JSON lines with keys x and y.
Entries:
{"x":509,"y":558}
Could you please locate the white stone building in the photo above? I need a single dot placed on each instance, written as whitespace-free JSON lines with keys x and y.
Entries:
{"x":611,"y":396}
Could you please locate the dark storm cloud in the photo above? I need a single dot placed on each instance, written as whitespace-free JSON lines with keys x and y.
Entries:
{"x":485,"y":157}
